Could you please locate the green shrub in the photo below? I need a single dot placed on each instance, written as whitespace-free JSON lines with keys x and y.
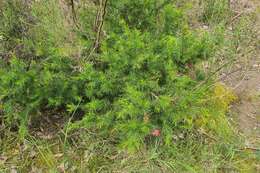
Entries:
{"x":139,"y":82}
{"x":160,"y":17}
{"x":26,"y":90}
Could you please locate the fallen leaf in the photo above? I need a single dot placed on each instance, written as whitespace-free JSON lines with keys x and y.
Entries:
{"x":156,"y":132}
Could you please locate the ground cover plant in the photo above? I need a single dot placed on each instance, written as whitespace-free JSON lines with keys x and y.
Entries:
{"x":124,"y":83}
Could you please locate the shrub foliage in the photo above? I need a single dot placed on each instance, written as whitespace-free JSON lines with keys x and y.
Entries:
{"x":139,"y":81}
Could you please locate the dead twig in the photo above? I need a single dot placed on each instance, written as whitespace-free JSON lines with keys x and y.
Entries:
{"x":206,"y":134}
{"x":226,"y":75}
{"x":235,"y":17}
{"x":250,"y":148}
{"x":99,"y":22}
{"x":214,"y":73}
{"x":74,"y":14}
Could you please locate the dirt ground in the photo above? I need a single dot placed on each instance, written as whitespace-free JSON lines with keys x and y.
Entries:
{"x":246,"y":83}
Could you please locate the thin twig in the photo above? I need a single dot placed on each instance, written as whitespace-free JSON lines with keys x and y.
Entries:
{"x":74,"y":14}
{"x":100,"y":18}
{"x":206,"y":134}
{"x":214,"y":73}
{"x":251,"y":148}
{"x":226,"y":75}
{"x":237,"y":16}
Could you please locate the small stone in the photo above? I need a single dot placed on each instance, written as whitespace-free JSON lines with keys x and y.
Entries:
{"x":205,"y":27}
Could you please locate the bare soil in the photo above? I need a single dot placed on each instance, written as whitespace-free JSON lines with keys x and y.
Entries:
{"x":246,"y":83}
